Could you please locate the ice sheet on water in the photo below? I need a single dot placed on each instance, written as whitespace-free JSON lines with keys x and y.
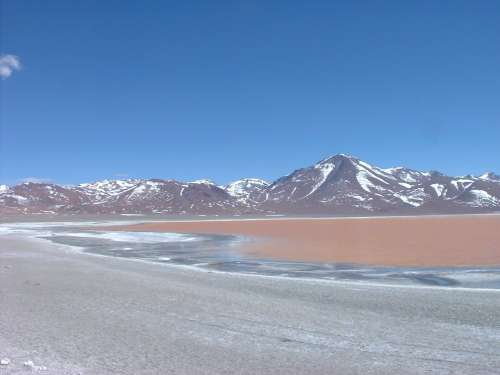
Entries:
{"x":50,"y":229}
{"x":138,"y":237}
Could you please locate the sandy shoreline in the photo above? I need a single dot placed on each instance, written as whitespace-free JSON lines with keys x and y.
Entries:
{"x":472,"y":240}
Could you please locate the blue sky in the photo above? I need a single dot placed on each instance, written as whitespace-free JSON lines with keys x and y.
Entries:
{"x":230,"y":89}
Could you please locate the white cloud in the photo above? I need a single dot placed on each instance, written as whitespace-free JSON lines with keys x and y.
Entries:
{"x":8,"y":64}
{"x":36,"y":180}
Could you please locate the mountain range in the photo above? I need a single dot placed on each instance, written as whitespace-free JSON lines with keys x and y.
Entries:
{"x":341,"y":184}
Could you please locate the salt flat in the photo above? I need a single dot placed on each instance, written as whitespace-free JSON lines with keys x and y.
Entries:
{"x":79,"y":313}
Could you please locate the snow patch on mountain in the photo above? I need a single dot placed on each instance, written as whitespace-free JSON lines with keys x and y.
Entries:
{"x":462,"y":184}
{"x":105,"y":189}
{"x":490,"y":176}
{"x":324,"y":169}
{"x":482,"y":198}
{"x":4,"y":189}
{"x":247,"y":190}
{"x":438,"y":189}
{"x":204,"y":181}
{"x":241,"y":187}
{"x":405,"y":185}
{"x":414,"y":198}
{"x":365,"y":181}
{"x":406,"y":175}
{"x":367,"y":177}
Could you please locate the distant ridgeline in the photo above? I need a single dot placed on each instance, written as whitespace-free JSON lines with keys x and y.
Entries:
{"x":340,"y":184}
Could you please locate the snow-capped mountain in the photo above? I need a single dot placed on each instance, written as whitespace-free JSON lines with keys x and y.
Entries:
{"x":39,"y":197}
{"x":338,"y":184}
{"x":490,"y":176}
{"x":344,"y":183}
{"x":247,"y":190}
{"x":101,"y":190}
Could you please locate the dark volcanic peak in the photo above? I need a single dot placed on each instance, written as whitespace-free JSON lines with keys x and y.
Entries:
{"x":337,"y":184}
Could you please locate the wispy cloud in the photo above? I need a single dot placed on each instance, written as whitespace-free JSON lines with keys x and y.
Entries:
{"x":36,"y":180}
{"x":9,"y":64}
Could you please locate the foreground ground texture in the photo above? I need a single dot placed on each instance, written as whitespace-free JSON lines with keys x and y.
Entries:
{"x":76,"y":313}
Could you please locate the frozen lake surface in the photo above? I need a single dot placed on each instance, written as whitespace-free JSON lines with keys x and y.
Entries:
{"x":221,"y":253}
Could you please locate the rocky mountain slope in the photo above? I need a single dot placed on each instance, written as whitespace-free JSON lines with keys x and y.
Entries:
{"x":340,"y":184}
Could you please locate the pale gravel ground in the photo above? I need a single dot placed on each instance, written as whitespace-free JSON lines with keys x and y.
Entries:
{"x":77,"y":313}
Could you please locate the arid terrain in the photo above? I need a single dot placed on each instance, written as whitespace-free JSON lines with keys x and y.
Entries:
{"x":70,"y":313}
